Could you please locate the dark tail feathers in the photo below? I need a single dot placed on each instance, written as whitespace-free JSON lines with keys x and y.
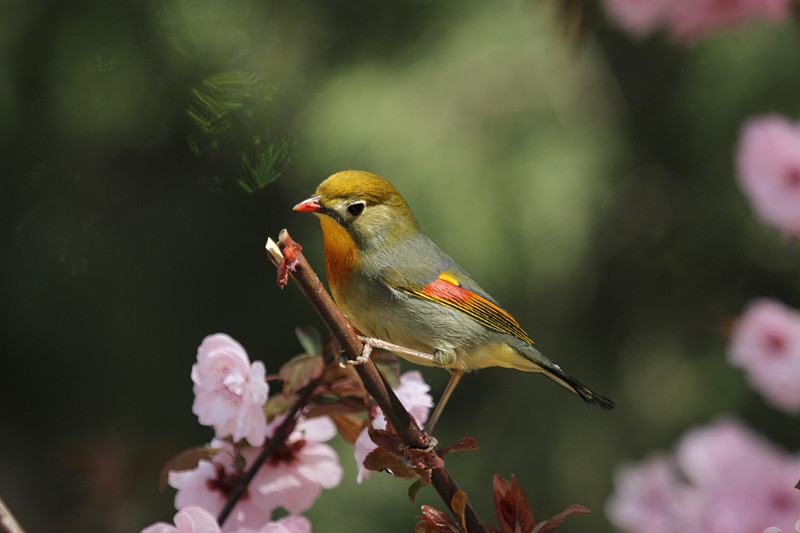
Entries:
{"x":558,"y":375}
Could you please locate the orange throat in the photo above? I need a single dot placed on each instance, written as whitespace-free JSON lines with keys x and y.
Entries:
{"x":340,"y":253}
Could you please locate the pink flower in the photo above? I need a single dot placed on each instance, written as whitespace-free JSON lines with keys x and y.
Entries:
{"x":646,"y":496}
{"x":189,"y":520}
{"x":289,"y":524}
{"x":293,"y":477}
{"x":738,"y":481}
{"x":692,"y":19}
{"x":722,"y":479}
{"x":229,"y":392}
{"x":639,"y":17}
{"x":768,"y":167}
{"x":413,"y":394}
{"x":766,"y":344}
{"x":689,"y":20}
{"x":210,"y":484}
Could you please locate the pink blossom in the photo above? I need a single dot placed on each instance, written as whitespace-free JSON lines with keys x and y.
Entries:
{"x":766,"y":344}
{"x":689,"y":20}
{"x":293,"y":477}
{"x":692,"y":19}
{"x":289,"y":524}
{"x":209,"y":485}
{"x":229,"y":392}
{"x":722,"y":479}
{"x":646,"y":496}
{"x":768,"y":167}
{"x":188,"y":520}
{"x":413,"y":394}
{"x":639,"y":17}
{"x":739,"y":481}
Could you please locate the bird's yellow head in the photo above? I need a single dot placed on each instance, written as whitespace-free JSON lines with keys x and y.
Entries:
{"x":360,"y":213}
{"x":361,"y":207}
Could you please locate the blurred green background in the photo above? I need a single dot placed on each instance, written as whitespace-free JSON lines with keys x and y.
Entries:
{"x":588,"y":185}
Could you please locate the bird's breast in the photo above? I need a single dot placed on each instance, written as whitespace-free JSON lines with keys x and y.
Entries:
{"x":341,"y":254}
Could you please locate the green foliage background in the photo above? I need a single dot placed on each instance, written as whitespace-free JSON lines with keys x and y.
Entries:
{"x":589,"y":186}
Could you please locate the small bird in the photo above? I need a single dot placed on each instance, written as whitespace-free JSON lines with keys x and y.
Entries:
{"x":395,"y":285}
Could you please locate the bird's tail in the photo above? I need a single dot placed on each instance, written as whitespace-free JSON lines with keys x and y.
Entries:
{"x":559,"y":376}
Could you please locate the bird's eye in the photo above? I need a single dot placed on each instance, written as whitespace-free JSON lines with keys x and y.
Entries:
{"x":356,"y":208}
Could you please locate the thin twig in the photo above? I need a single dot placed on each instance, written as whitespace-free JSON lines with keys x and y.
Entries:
{"x":8,"y":524}
{"x":278,"y":438}
{"x":287,"y":254}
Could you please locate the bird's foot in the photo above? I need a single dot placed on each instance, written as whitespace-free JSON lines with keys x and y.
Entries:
{"x":358,"y":361}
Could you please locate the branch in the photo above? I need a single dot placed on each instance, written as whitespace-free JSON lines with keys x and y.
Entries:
{"x":286,"y":255}
{"x":278,"y":438}
{"x":8,"y":524}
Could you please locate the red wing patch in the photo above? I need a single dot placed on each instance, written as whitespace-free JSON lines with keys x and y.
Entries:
{"x":446,"y":291}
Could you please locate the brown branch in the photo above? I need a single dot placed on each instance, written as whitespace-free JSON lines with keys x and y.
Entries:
{"x":290,"y":260}
{"x":278,"y":438}
{"x":8,"y":524}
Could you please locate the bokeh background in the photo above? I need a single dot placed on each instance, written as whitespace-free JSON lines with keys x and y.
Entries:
{"x":149,"y":148}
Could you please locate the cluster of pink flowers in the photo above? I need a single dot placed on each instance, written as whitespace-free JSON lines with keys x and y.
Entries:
{"x":230,"y":394}
{"x":766,"y":344}
{"x":722,"y":478}
{"x":413,"y":394}
{"x":688,"y":20}
{"x":768,"y":167}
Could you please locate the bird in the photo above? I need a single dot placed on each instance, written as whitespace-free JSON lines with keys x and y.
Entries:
{"x":401,"y":291}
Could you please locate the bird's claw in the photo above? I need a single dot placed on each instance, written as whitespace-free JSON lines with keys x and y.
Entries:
{"x":362,"y":359}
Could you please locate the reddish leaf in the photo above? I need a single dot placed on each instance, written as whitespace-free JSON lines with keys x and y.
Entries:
{"x":467,"y":443}
{"x":349,"y":427}
{"x":186,"y":460}
{"x":513,"y":512}
{"x":387,"y":440}
{"x":458,"y":503}
{"x":298,"y":372}
{"x":423,"y":459}
{"x":435,"y":521}
{"x":549,"y":525}
{"x":380,"y":460}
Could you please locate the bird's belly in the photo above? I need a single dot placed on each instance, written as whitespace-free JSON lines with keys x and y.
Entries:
{"x":429,"y":327}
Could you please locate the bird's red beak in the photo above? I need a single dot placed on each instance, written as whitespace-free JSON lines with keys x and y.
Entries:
{"x":311,"y":205}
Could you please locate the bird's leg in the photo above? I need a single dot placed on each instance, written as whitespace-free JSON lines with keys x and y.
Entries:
{"x":455,"y":377}
{"x":413,"y":356}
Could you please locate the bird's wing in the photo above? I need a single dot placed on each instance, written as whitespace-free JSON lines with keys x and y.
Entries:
{"x":458,"y":291}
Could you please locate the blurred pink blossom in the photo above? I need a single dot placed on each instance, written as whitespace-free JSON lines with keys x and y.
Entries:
{"x":229,"y":392}
{"x":766,"y":343}
{"x":639,"y":17}
{"x":689,"y":20}
{"x":210,"y":483}
{"x":693,"y":19}
{"x":294,"y":476}
{"x":188,"y":520}
{"x":289,"y":524}
{"x":768,"y":168}
{"x":646,"y":496}
{"x":722,"y":479}
{"x":413,"y":394}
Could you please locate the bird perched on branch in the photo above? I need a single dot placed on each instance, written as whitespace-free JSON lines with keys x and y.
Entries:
{"x":397,"y":286}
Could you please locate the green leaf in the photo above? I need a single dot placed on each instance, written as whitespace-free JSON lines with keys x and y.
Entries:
{"x":299,"y":371}
{"x":310,"y":340}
